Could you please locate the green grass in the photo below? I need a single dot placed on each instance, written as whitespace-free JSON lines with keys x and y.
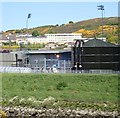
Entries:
{"x":84,"y":88}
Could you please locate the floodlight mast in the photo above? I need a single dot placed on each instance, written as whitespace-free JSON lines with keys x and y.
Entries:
{"x":101,"y":7}
{"x":29,"y":16}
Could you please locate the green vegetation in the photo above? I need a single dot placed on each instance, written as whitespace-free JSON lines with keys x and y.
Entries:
{"x":35,"y":33}
{"x":61,"y":85}
{"x":71,"y":22}
{"x":72,"y":27}
{"x":23,"y":46}
{"x":64,"y":90}
{"x":36,"y":46}
{"x":90,"y":28}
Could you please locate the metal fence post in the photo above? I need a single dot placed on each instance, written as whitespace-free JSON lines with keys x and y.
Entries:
{"x":45,"y":64}
{"x":64,"y":66}
{"x":58,"y":63}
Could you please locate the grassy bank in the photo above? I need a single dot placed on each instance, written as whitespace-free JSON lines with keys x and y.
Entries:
{"x":68,"y":89}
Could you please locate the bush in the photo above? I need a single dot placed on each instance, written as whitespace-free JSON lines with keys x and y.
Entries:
{"x":35,"y":33}
{"x":61,"y":85}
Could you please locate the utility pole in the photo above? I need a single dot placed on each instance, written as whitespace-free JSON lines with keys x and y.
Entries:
{"x":101,"y":7}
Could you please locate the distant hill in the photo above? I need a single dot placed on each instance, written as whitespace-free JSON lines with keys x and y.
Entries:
{"x":88,"y":28}
{"x":72,"y":27}
{"x":87,"y":25}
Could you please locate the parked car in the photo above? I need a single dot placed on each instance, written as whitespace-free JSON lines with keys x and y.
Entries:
{"x":4,"y":51}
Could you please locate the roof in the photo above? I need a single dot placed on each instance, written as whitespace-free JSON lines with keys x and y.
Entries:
{"x":48,"y":51}
{"x":98,"y":43}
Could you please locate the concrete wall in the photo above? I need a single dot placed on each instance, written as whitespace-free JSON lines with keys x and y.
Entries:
{"x":9,"y":59}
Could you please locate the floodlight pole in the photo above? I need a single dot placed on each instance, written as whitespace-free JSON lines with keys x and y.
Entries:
{"x":29,"y":16}
{"x":101,"y":7}
{"x":27,"y":32}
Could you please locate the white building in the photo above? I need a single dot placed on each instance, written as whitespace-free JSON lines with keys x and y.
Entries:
{"x":37,"y":40}
{"x":52,"y":38}
{"x":62,"y":38}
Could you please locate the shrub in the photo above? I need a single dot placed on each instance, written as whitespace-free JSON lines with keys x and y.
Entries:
{"x":61,"y":85}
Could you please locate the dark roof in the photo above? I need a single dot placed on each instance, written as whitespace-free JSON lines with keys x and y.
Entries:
{"x":98,"y":43}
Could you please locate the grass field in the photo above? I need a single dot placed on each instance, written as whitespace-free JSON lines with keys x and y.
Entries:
{"x":69,"y":89}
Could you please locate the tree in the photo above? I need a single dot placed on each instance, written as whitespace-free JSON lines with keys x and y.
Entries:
{"x":62,"y":25}
{"x":56,"y":25}
{"x":18,"y":31}
{"x":35,"y":33}
{"x":71,"y":22}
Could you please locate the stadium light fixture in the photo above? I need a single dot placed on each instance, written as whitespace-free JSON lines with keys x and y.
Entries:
{"x":101,"y":7}
{"x":28,"y":17}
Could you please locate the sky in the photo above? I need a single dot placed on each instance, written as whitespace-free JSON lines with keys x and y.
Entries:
{"x":14,"y":14}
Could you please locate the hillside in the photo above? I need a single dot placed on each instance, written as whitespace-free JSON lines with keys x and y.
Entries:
{"x":72,"y":27}
{"x":87,"y":25}
{"x":89,"y":28}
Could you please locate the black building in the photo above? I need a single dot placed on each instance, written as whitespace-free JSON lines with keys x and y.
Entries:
{"x":95,"y":54}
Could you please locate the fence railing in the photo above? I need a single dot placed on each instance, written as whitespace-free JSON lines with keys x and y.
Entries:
{"x":50,"y":65}
{"x":56,"y":66}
